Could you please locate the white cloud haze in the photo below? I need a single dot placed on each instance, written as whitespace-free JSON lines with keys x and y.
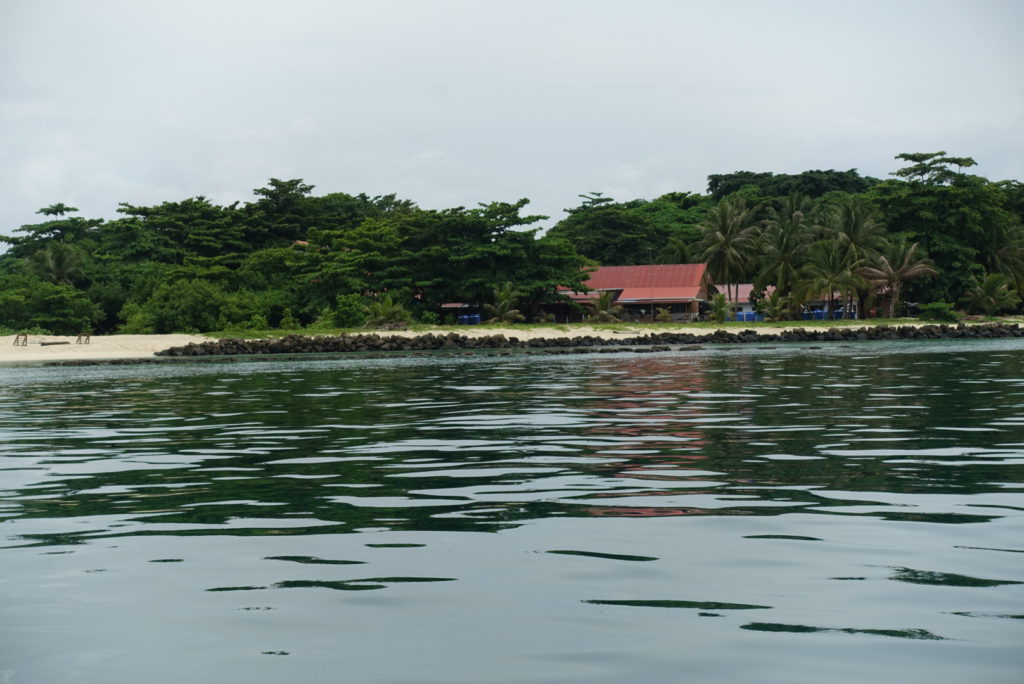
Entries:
{"x":454,"y":102}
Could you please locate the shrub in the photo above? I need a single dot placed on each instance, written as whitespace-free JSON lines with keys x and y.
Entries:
{"x":184,"y":306}
{"x":719,"y":308}
{"x":349,"y":311}
{"x":288,"y":321}
{"x":939,"y":312}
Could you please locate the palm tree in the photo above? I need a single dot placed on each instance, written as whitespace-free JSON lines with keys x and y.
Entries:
{"x":900,"y":263}
{"x":729,"y":232}
{"x":992,"y":295}
{"x":605,"y":310}
{"x":57,"y":263}
{"x":1008,"y":257}
{"x":829,"y":269}
{"x":719,"y":308}
{"x":856,"y":224}
{"x":775,"y":306}
{"x":783,"y":243}
{"x":503,"y":310}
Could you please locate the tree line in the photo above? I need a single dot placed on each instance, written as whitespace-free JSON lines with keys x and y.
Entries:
{"x":290,"y":258}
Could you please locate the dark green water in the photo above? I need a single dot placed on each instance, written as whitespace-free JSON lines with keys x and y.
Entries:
{"x":840,"y":514}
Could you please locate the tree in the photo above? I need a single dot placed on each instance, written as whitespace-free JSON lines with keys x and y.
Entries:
{"x":856,"y":223}
{"x":719,"y":308}
{"x":783,"y":243}
{"x":1007,"y":254}
{"x":60,"y":228}
{"x":503,"y":309}
{"x":813,"y":184}
{"x":728,"y":243}
{"x":992,"y":295}
{"x":387,"y":313}
{"x":634,"y":232}
{"x":901,"y":263}
{"x":829,"y":270}
{"x":57,"y":263}
{"x":957,"y":218}
{"x":605,"y":308}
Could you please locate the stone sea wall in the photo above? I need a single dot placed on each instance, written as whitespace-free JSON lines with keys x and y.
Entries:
{"x":376,"y":343}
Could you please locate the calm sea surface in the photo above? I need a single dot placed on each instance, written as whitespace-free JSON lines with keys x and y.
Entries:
{"x":834,"y":514}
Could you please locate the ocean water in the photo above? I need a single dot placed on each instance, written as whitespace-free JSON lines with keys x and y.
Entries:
{"x":835,"y":513}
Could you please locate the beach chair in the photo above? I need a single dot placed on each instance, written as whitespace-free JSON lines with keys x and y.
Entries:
{"x":21,"y":340}
{"x":83,"y":338}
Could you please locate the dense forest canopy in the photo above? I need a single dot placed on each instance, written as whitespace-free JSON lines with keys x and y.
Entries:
{"x":290,"y":258}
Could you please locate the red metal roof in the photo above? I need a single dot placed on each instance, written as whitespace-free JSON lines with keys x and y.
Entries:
{"x":658,"y":294}
{"x":647,"y":283}
{"x":647,"y":276}
{"x":741,"y":292}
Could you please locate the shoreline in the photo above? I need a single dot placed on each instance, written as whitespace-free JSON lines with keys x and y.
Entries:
{"x":63,"y":350}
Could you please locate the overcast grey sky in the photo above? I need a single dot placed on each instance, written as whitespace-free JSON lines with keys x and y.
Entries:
{"x":455,"y":102}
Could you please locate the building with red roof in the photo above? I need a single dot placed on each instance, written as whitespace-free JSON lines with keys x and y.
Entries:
{"x":641,"y":290}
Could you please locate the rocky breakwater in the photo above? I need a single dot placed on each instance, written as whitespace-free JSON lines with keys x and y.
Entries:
{"x":665,"y":341}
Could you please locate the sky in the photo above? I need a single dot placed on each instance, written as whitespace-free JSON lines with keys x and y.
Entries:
{"x":457,"y":102}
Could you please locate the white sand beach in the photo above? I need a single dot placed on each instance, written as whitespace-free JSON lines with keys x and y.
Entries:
{"x":99,"y":347}
{"x":103,"y":347}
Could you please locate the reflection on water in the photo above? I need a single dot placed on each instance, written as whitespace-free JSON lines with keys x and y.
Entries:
{"x":517,"y":519}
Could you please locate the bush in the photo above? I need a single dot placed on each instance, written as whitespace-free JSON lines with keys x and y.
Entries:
{"x":429,"y":318}
{"x":182,"y":306}
{"x":938,"y":312}
{"x":349,"y":311}
{"x":719,"y":308}
{"x":288,"y":321}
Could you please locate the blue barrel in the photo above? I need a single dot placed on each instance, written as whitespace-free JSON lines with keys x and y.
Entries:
{"x":473,"y":319}
{"x":749,"y":317}
{"x":819,"y":315}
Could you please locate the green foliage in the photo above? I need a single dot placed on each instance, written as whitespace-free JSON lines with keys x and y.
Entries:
{"x":635,"y":232}
{"x":809,"y":183}
{"x":663,"y":315}
{"x":774,"y":307}
{"x":991,"y":295}
{"x":288,"y":322}
{"x":938,"y":312}
{"x":959,"y":219}
{"x":429,"y":318}
{"x":386,"y":313}
{"x":503,"y":309}
{"x":729,"y":240}
{"x":348,"y":311}
{"x":57,"y":263}
{"x":901,"y":263}
{"x":605,"y":309}
{"x":191,"y":305}
{"x":284,"y":258}
{"x":719,"y":310}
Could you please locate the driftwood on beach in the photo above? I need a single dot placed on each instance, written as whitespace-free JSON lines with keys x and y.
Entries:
{"x":345,"y":343}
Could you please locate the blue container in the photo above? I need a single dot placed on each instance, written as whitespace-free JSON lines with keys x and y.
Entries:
{"x":819,"y":315}
{"x":473,"y":319}
{"x":806,"y":315}
{"x":749,"y":317}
